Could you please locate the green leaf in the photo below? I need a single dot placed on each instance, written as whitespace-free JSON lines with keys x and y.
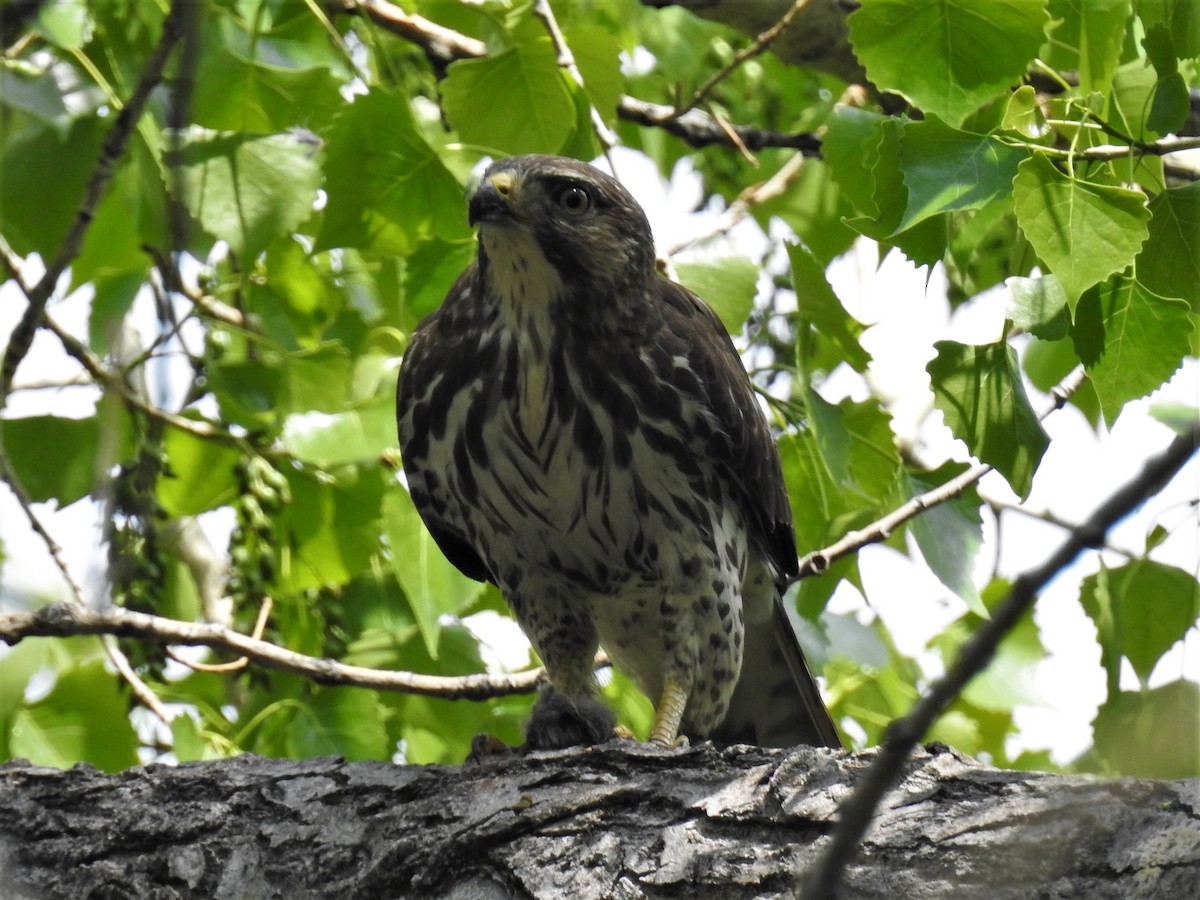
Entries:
{"x":331,"y":527}
{"x":1035,"y":303}
{"x":43,"y":172}
{"x":84,"y":718}
{"x":1087,"y":38}
{"x":430,"y":581}
{"x":979,"y":391}
{"x":945,"y":169}
{"x":527,"y":78}
{"x":66,"y":25}
{"x":1151,"y":734}
{"x":949,"y":534}
{"x":1169,"y":263}
{"x":233,"y":94}
{"x":248,"y":189}
{"x":60,"y":459}
{"x":357,"y":435}
{"x":598,"y":55}
{"x":818,"y":303}
{"x":931,"y":51}
{"x":1141,"y":610}
{"x":200,"y":474}
{"x":1181,"y":18}
{"x":1131,"y":341}
{"x":727,"y":284}
{"x":387,"y":187}
{"x":1171,"y":103}
{"x":851,"y":149}
{"x":341,"y":721}
{"x":1083,"y":232}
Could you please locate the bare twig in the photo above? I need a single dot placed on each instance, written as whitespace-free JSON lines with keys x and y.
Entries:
{"x":111,"y":151}
{"x":67,"y":619}
{"x":741,"y":207}
{"x":260,"y":625}
{"x":113,"y":382}
{"x":566,"y":60}
{"x":856,"y":813}
{"x":758,"y":46}
{"x":818,"y":561}
{"x":444,"y":46}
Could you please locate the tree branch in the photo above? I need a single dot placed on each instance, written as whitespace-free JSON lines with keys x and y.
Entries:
{"x":111,"y":151}
{"x":444,"y":46}
{"x":757,"y":47}
{"x":856,"y":813}
{"x":818,"y":562}
{"x":68,"y":619}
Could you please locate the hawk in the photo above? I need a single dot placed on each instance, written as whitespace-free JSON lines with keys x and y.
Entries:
{"x":579,"y":430}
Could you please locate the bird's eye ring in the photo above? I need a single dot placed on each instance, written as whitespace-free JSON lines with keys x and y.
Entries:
{"x":575,"y":200}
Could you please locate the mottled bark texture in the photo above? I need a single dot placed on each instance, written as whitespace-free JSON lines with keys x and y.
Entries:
{"x":619,"y":820}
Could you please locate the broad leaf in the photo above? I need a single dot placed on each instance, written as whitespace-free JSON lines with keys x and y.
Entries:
{"x":950,"y":534}
{"x":1130,"y":339}
{"x":1141,"y":610}
{"x":1169,"y":263}
{"x":526,"y":77}
{"x":819,"y":304}
{"x":387,"y":187}
{"x":946,"y":169}
{"x":84,"y":718}
{"x":979,"y":391}
{"x":248,"y":189}
{"x":1082,"y":231}
{"x":929,"y":51}
{"x":1087,"y":37}
{"x":727,"y":284}
{"x":1150,"y":734}
{"x":430,"y":581}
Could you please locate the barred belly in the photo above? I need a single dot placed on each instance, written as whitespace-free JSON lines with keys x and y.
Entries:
{"x":597,"y":528}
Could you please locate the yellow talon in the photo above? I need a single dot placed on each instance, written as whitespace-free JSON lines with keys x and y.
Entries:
{"x":669,"y":713}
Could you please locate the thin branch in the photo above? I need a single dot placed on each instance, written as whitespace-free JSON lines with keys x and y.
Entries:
{"x":699,"y":129}
{"x":1045,"y":515}
{"x":566,"y":60}
{"x":856,"y":813}
{"x":111,"y":151}
{"x":113,"y":383}
{"x":444,"y":46}
{"x":741,"y":207}
{"x":260,"y":625}
{"x":757,"y":47}
{"x":67,"y":619}
{"x":52,"y":546}
{"x":818,"y":561}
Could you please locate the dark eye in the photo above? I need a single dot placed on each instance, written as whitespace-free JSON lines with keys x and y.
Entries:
{"x":574,"y":200}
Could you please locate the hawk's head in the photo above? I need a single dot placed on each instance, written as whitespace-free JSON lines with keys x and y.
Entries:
{"x":551,"y":226}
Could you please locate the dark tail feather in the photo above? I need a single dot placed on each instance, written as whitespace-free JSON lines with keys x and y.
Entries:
{"x":777,"y":702}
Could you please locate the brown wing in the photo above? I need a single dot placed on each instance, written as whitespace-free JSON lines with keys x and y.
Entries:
{"x":777,"y":702}
{"x":436,"y":366}
{"x":743,"y":449}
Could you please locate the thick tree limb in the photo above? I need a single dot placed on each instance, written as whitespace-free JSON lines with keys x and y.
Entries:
{"x":620,"y":820}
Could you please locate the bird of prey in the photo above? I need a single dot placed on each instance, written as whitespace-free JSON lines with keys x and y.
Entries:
{"x":579,"y":430}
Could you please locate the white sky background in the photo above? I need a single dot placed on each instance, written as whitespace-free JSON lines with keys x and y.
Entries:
{"x":908,"y":311}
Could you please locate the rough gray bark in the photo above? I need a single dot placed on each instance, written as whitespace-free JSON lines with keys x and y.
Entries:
{"x":619,"y":820}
